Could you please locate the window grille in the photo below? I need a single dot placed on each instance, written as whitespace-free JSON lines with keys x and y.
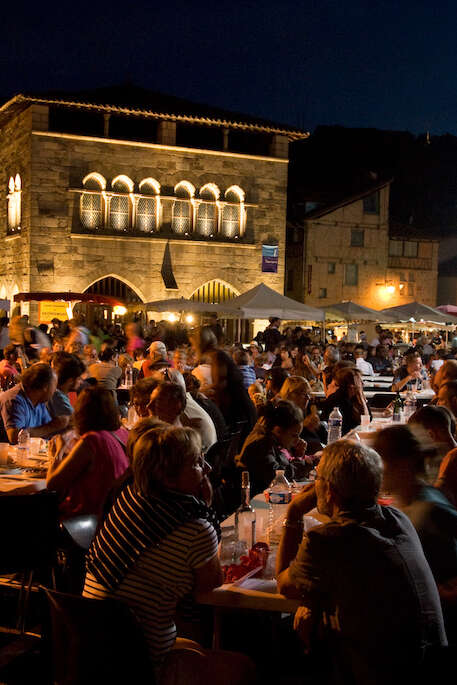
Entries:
{"x":207,"y":219}
{"x":231,"y":221}
{"x":14,"y":204}
{"x":119,"y":213}
{"x":181,"y":221}
{"x":146,"y":214}
{"x":91,"y":210}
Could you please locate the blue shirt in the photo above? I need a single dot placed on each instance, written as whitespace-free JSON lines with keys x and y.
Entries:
{"x":248,"y":375}
{"x":17,"y":411}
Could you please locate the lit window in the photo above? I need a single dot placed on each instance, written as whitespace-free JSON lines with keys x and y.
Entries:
{"x":232,"y":213}
{"x":351,"y":274}
{"x":182,"y":212}
{"x":207,"y":210}
{"x":14,"y":204}
{"x":410,"y":249}
{"x":91,"y":207}
{"x":119,"y":207}
{"x":147,"y":207}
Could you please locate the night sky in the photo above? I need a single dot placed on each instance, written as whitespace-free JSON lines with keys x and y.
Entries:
{"x":389,"y":65}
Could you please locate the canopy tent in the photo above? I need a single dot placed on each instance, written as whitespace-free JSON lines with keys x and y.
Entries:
{"x":448,"y":309}
{"x":415,"y":312}
{"x":67,"y":297}
{"x":353,"y":312}
{"x":261,"y":302}
{"x":181,"y":304}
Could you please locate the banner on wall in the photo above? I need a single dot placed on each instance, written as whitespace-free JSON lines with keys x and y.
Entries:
{"x":270,"y":254}
{"x":52,"y":310}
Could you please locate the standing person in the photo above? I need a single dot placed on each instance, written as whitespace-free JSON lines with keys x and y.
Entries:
{"x":4,"y":333}
{"x":78,"y":333}
{"x":134,"y":340}
{"x":217,"y":329}
{"x":362,"y":578}
{"x":227,"y":388}
{"x":271,"y":334}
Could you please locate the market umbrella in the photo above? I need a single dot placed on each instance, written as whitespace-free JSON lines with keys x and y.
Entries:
{"x":261,"y":302}
{"x":351,"y":311}
{"x":448,"y":309}
{"x":181,"y":304}
{"x":415,"y":312}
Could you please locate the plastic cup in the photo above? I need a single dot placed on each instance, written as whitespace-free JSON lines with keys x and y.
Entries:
{"x":35,"y":445}
{"x":4,"y":450}
{"x":365,"y":421}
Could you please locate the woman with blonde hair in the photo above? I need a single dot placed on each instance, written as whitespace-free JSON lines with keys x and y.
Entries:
{"x":297,"y":389}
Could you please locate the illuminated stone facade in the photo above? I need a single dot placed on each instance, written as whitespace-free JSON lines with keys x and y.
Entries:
{"x":344,"y":252}
{"x":238,"y":203}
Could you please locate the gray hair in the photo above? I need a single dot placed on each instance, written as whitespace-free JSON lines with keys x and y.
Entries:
{"x":353,"y":470}
{"x":332,"y":354}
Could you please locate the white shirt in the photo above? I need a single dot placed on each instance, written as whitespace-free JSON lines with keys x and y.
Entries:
{"x":364,"y":367}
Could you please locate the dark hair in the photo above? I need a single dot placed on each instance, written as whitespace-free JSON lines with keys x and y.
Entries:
{"x":346,"y":376}
{"x":451,"y":386}
{"x":407,"y":442}
{"x":432,"y":417}
{"x":277,"y":375}
{"x":240,"y":357}
{"x":96,"y":410}
{"x":37,"y":376}
{"x":10,"y":352}
{"x":174,"y":391}
{"x":107,"y":353}
{"x":67,"y":366}
{"x":191,"y":381}
{"x":284,"y":414}
{"x":144,"y":387}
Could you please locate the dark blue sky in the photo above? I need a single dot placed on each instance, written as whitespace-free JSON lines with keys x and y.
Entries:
{"x":385,"y":64}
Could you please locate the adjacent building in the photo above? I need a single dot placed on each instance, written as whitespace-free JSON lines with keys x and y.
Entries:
{"x":124,"y":192}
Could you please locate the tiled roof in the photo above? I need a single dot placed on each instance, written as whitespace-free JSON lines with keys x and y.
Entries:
{"x":135,"y":101}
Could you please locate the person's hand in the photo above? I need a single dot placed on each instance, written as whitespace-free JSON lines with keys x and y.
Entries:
{"x":302,"y":503}
{"x":300,"y":448}
{"x":312,"y":422}
{"x":303,"y":624}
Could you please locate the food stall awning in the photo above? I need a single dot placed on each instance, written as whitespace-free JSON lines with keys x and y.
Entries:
{"x":68,"y":297}
{"x":351,"y":312}
{"x":261,"y":302}
{"x":416,"y":312}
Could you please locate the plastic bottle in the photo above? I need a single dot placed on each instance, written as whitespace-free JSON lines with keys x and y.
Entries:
{"x":129,"y":377}
{"x":410,"y":404}
{"x":335,"y":426}
{"x":398,"y":409}
{"x":23,"y":446}
{"x":279,"y":497}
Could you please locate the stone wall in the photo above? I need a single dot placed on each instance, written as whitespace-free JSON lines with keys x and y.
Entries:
{"x":62,"y":260}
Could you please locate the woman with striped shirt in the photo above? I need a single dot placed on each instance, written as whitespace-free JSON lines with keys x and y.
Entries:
{"x":157,"y":545}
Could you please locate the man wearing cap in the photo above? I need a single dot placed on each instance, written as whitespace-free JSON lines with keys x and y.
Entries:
{"x":157,"y":359}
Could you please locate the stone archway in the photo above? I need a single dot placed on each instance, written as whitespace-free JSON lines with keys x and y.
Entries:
{"x":115,"y":287}
{"x":214,"y":291}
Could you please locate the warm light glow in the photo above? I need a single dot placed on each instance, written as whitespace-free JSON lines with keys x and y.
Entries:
{"x":123,"y":180}
{"x":119,"y":310}
{"x":69,"y":309}
{"x":401,"y":286}
{"x":188,"y":187}
{"x":98,"y":178}
{"x":390,"y":289}
{"x":189,"y":318}
{"x":14,"y":203}
{"x":212,"y":189}
{"x":239,"y":192}
{"x":171,"y":317}
{"x":152,"y":183}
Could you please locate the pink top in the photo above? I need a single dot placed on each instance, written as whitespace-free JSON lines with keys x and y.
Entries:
{"x":134,"y":343}
{"x":6,"y":369}
{"x":90,"y":489}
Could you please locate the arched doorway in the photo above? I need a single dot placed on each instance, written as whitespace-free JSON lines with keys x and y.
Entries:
{"x":215,"y":292}
{"x":114,"y":287}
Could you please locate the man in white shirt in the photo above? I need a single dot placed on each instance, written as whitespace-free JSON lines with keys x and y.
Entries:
{"x":364,"y":367}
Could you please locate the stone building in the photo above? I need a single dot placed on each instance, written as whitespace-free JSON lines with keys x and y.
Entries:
{"x":127,"y":193}
{"x":345,"y":249}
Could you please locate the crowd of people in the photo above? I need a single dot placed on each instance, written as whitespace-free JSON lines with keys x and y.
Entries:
{"x":150,"y":429}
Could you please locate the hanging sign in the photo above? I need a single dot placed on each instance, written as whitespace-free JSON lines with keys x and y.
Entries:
{"x":270,"y":254}
{"x":49,"y":310}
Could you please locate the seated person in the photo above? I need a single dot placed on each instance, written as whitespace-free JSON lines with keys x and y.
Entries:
{"x":241,"y":359}
{"x":273,"y":381}
{"x":439,"y":423}
{"x":447,"y":396}
{"x":274,"y":444}
{"x":69,"y":369}
{"x":411,"y":372}
{"x":297,"y":390}
{"x":361,"y":363}
{"x":380,"y":361}
{"x":403,"y":450}
{"x":107,"y":374}
{"x":83,"y":477}
{"x":140,"y":395}
{"x":9,"y":368}
{"x":172,"y":553}
{"x":364,"y":583}
{"x":348,"y":397}
{"x":25,"y":405}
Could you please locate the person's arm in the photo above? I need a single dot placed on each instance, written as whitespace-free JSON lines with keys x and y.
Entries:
{"x":398,"y":385}
{"x":59,"y":423}
{"x":208,"y":576}
{"x":62,"y":474}
{"x":292,"y":537}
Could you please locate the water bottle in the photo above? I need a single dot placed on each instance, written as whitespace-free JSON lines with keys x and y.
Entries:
{"x":335,"y":426}
{"x":129,"y":377}
{"x":410,"y":404}
{"x":245,"y":517}
{"x":23,"y":447}
{"x":279,"y":496}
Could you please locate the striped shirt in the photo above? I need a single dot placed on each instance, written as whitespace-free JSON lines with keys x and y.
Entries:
{"x":161,"y":576}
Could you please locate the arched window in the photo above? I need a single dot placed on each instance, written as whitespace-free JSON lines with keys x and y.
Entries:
{"x":14,"y":203}
{"x":147,"y":206}
{"x":232,"y":213}
{"x":207,"y":212}
{"x":215,"y":291}
{"x":91,"y":207}
{"x":182,"y":213}
{"x":119,"y":207}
